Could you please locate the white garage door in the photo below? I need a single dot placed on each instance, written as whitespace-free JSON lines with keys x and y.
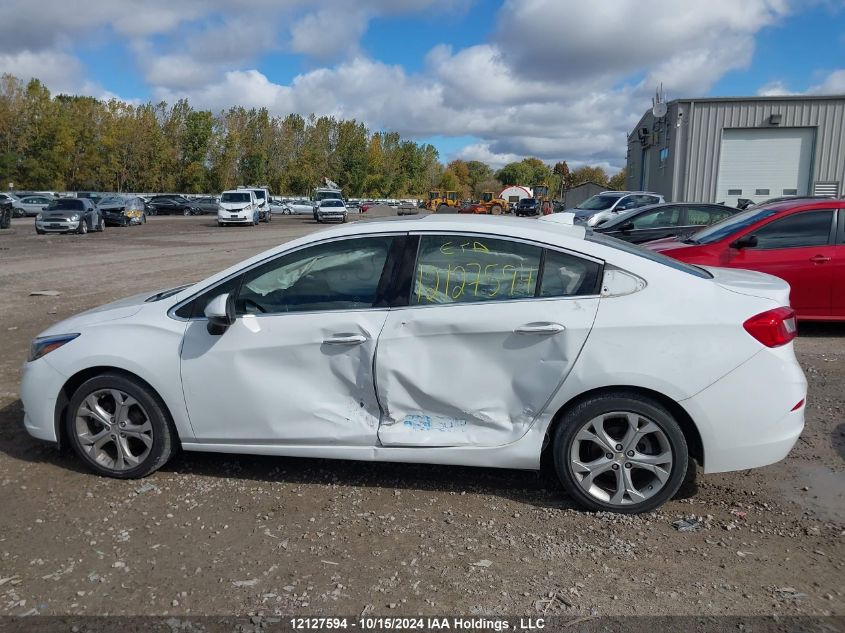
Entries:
{"x":764,"y":163}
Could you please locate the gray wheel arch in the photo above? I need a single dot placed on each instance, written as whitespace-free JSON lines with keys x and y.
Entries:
{"x":73,"y":383}
{"x":684,"y":420}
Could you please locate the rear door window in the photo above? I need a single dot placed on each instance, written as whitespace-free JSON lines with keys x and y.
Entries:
{"x":467,"y":269}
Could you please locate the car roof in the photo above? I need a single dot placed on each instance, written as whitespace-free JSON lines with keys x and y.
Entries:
{"x":451,"y":222}
{"x":803,"y":203}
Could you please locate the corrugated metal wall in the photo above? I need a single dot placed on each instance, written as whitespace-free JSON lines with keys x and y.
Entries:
{"x":694,"y":141}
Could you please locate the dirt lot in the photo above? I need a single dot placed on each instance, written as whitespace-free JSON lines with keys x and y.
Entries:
{"x":246,"y":535}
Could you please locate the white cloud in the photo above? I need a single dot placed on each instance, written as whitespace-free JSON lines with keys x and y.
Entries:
{"x":327,"y":34}
{"x":833,"y":84}
{"x":775,"y":88}
{"x":560,"y":79}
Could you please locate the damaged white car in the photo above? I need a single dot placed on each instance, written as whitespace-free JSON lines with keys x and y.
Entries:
{"x":440,"y":339}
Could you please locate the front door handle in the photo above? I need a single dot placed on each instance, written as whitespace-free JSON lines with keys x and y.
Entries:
{"x":540,"y":328}
{"x":819,"y":259}
{"x":345,"y":339}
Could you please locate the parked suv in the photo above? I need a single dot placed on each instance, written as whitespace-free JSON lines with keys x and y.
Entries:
{"x":526,"y":206}
{"x":607,"y":204}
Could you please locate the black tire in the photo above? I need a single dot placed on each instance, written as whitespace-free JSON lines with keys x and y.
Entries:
{"x":608,"y":404}
{"x":101,"y":225}
{"x":165,"y":440}
{"x":83,"y":227}
{"x":40,"y":232}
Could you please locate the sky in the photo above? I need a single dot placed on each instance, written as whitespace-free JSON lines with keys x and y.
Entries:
{"x":479,"y":79}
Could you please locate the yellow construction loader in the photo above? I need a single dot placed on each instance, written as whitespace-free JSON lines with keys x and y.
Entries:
{"x":441,"y":202}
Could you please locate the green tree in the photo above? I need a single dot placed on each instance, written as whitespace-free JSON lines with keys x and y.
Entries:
{"x":589,"y":174}
{"x":617,"y":181}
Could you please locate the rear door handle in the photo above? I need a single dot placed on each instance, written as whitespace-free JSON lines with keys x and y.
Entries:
{"x":540,"y":328}
{"x":819,"y":259}
{"x":345,"y":339}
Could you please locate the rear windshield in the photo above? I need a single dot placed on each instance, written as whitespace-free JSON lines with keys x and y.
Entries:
{"x":633,"y":249}
{"x":598,"y":203}
{"x":234,"y":197}
{"x":731,"y":225}
{"x":67,"y":204}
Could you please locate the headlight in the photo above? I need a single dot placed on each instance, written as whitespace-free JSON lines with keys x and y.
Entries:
{"x":39,"y":217}
{"x":74,"y":217}
{"x":46,"y":344}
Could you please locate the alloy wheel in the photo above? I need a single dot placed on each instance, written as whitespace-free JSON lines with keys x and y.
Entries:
{"x":621,"y":458}
{"x":113,"y":429}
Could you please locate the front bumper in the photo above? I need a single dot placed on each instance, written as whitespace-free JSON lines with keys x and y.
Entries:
{"x":57,"y":226}
{"x":331,"y":217}
{"x":236,"y":217}
{"x":40,"y":386}
{"x":751,"y":417}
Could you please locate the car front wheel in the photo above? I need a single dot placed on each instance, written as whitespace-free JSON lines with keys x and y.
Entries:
{"x":620,"y":453}
{"x":119,"y":427}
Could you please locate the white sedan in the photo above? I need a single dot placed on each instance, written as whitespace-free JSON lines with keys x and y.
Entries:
{"x":440,"y":339}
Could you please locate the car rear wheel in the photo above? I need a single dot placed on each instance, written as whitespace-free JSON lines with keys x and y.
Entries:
{"x":620,"y":453}
{"x":119,"y":427}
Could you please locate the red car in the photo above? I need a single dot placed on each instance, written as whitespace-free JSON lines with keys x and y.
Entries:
{"x":801,"y":241}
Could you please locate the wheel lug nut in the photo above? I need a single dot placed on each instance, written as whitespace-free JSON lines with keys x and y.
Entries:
{"x":615,"y":466}
{"x":618,"y":447}
{"x":630,"y":453}
{"x":627,"y":464}
{"x":124,"y":435}
{"x":609,"y":455}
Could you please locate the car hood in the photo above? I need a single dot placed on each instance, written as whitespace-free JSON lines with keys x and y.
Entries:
{"x":750,"y":282}
{"x":120,"y":309}
{"x":233,"y":206}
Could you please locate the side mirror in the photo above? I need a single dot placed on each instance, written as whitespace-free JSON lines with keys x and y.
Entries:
{"x":746,"y":241}
{"x":627,"y":226}
{"x":220,"y":313}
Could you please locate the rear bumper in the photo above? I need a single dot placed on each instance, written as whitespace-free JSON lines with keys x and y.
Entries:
{"x":749,"y":418}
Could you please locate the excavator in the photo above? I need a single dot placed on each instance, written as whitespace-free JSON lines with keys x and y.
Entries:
{"x":442,"y":202}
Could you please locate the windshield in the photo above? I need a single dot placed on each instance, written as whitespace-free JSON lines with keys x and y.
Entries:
{"x":599,"y":202}
{"x":731,"y":225}
{"x":67,"y":204}
{"x":234,"y":196}
{"x":325,"y":195}
{"x":331,"y":203}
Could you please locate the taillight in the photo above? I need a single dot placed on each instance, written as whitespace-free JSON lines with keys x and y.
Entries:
{"x":773,"y":328}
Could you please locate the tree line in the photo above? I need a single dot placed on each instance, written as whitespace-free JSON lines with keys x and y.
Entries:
{"x":75,"y":143}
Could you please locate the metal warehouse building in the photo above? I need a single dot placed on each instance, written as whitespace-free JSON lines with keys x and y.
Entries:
{"x":724,"y":149}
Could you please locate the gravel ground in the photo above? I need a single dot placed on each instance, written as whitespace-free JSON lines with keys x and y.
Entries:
{"x":212,"y":534}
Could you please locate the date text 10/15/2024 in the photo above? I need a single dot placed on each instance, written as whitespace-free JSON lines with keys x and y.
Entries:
{"x":375,"y":623}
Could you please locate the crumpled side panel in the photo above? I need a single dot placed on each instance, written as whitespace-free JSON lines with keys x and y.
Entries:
{"x":274,"y":379}
{"x":460,"y":375}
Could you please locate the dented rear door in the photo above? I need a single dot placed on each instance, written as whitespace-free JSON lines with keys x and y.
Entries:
{"x":484,"y":343}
